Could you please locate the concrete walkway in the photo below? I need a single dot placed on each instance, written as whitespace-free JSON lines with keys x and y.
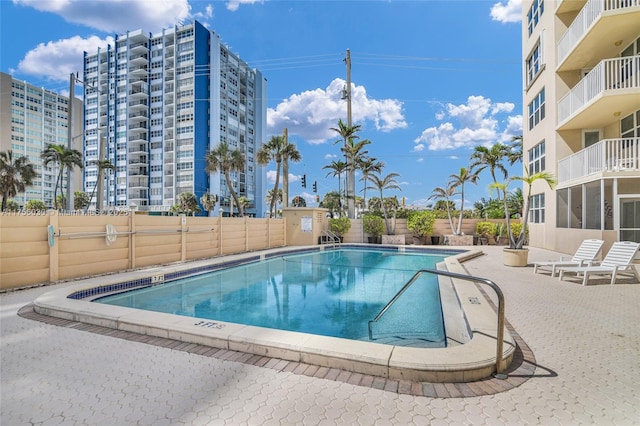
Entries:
{"x":586,"y":342}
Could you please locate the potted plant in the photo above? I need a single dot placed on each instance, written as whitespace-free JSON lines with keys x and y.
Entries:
{"x":374,"y":226}
{"x":501,"y":234}
{"x":516,"y":254}
{"x":485,"y":230}
{"x":420,"y":223}
{"x":340,"y":226}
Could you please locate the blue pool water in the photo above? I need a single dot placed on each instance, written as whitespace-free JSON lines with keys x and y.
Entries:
{"x":332,"y":293}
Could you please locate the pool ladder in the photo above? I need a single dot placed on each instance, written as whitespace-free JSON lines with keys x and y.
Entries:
{"x":328,"y":237}
{"x":500,"y":332}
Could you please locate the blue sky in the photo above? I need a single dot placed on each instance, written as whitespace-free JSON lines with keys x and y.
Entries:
{"x":431,"y":79}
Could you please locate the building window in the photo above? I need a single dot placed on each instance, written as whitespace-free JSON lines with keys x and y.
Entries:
{"x":630,"y":125}
{"x":536,"y":109}
{"x":534,"y":62}
{"x":536,"y":212}
{"x":534,"y":14}
{"x":536,"y":159}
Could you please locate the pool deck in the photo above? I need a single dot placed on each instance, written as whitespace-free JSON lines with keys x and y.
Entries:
{"x":583,"y":368}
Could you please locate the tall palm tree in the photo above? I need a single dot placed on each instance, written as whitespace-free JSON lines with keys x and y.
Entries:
{"x":54,"y":154}
{"x":445,"y":194}
{"x":348,"y":133}
{"x":490,"y":158}
{"x":16,"y":173}
{"x":465,"y":175}
{"x":368,"y":165}
{"x":102,"y":166}
{"x":226,"y":160}
{"x":338,"y":167}
{"x":65,"y":159}
{"x":382,"y":183}
{"x":280,"y":151}
{"x":289,"y":153}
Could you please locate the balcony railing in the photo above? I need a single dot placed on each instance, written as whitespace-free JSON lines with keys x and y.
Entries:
{"x":610,"y":74}
{"x":591,"y":11}
{"x":608,"y":155}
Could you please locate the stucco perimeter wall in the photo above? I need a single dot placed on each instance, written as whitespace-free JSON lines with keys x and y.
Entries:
{"x":40,"y":247}
{"x":441,"y":227}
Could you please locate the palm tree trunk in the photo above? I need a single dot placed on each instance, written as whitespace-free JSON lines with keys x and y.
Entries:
{"x":459,"y":231}
{"x":233,"y":194}
{"x":285,"y":182}
{"x":274,"y":198}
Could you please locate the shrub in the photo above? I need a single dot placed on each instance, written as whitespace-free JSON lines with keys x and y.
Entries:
{"x":420,"y":223}
{"x":373,"y":225}
{"x":340,"y":225}
{"x":486,"y":229}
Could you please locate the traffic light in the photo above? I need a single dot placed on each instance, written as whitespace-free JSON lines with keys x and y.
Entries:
{"x":315,"y":186}
{"x":304,"y":181}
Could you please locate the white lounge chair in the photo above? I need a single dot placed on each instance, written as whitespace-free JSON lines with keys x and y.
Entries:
{"x":585,"y":255}
{"x":618,"y":259}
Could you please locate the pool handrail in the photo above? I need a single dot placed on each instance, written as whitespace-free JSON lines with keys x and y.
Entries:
{"x":500,"y":332}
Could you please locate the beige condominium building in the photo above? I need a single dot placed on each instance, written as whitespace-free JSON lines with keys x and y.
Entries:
{"x":32,"y":118}
{"x":582,"y":119}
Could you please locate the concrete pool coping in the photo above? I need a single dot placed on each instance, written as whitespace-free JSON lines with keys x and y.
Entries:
{"x":467,"y":362}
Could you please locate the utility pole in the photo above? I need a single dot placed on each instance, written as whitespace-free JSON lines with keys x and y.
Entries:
{"x":72,"y":85}
{"x":351,"y":185}
{"x":285,"y":172}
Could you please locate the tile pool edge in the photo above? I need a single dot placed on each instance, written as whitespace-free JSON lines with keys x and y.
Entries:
{"x":467,"y":362}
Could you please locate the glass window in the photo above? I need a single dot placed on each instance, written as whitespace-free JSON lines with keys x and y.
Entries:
{"x":534,"y":14}
{"x":536,"y":110}
{"x":536,"y":210}
{"x":534,"y":63}
{"x":537,"y":159}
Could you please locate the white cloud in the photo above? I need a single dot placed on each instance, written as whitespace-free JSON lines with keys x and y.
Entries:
{"x":271,"y":178}
{"x":477,"y":123}
{"x":311,"y":114}
{"x":330,"y":156}
{"x":116,"y":15}
{"x":509,"y":12}
{"x":56,"y":60}
{"x":233,"y":5}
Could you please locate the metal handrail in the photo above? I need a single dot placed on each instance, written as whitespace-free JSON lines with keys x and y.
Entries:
{"x":494,"y":286}
{"x":335,"y":239}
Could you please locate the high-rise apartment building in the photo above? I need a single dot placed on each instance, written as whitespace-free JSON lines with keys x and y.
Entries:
{"x":582,"y":119}
{"x":156,"y":104}
{"x":31,"y":118}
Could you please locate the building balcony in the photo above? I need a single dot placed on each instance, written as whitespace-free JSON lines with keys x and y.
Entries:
{"x":597,"y":32}
{"x":607,"y":156}
{"x":613,"y":86}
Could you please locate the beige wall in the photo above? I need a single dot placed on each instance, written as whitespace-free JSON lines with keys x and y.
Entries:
{"x":80,"y":247}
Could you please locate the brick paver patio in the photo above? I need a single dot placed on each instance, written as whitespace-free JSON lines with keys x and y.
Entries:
{"x":580,"y":364}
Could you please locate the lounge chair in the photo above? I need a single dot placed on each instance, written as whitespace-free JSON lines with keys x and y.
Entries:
{"x":585,"y":255}
{"x":618,"y":259}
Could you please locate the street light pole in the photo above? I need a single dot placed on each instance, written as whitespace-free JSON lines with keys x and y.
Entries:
{"x":72,"y":83}
{"x":351,"y":175}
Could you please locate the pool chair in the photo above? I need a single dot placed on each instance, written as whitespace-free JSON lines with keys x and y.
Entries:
{"x":585,"y":255}
{"x":618,"y":259}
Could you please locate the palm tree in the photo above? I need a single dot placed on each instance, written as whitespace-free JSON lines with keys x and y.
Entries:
{"x":65,"y":158}
{"x":491,"y":158}
{"x":387,"y":182}
{"x":465,"y":175}
{"x":209,"y":202}
{"x":347,"y":134}
{"x":515,"y":150}
{"x":338,"y":168}
{"x":225,"y":160}
{"x":518,"y":243}
{"x":102,"y":166}
{"x":445,"y":194}
{"x":54,"y":154}
{"x":270,"y":197}
{"x":16,"y":173}
{"x":280,"y":151}
{"x":368,"y":165}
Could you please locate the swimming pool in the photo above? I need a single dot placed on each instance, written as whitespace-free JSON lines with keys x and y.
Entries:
{"x":330,"y":293}
{"x":470,"y":322}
